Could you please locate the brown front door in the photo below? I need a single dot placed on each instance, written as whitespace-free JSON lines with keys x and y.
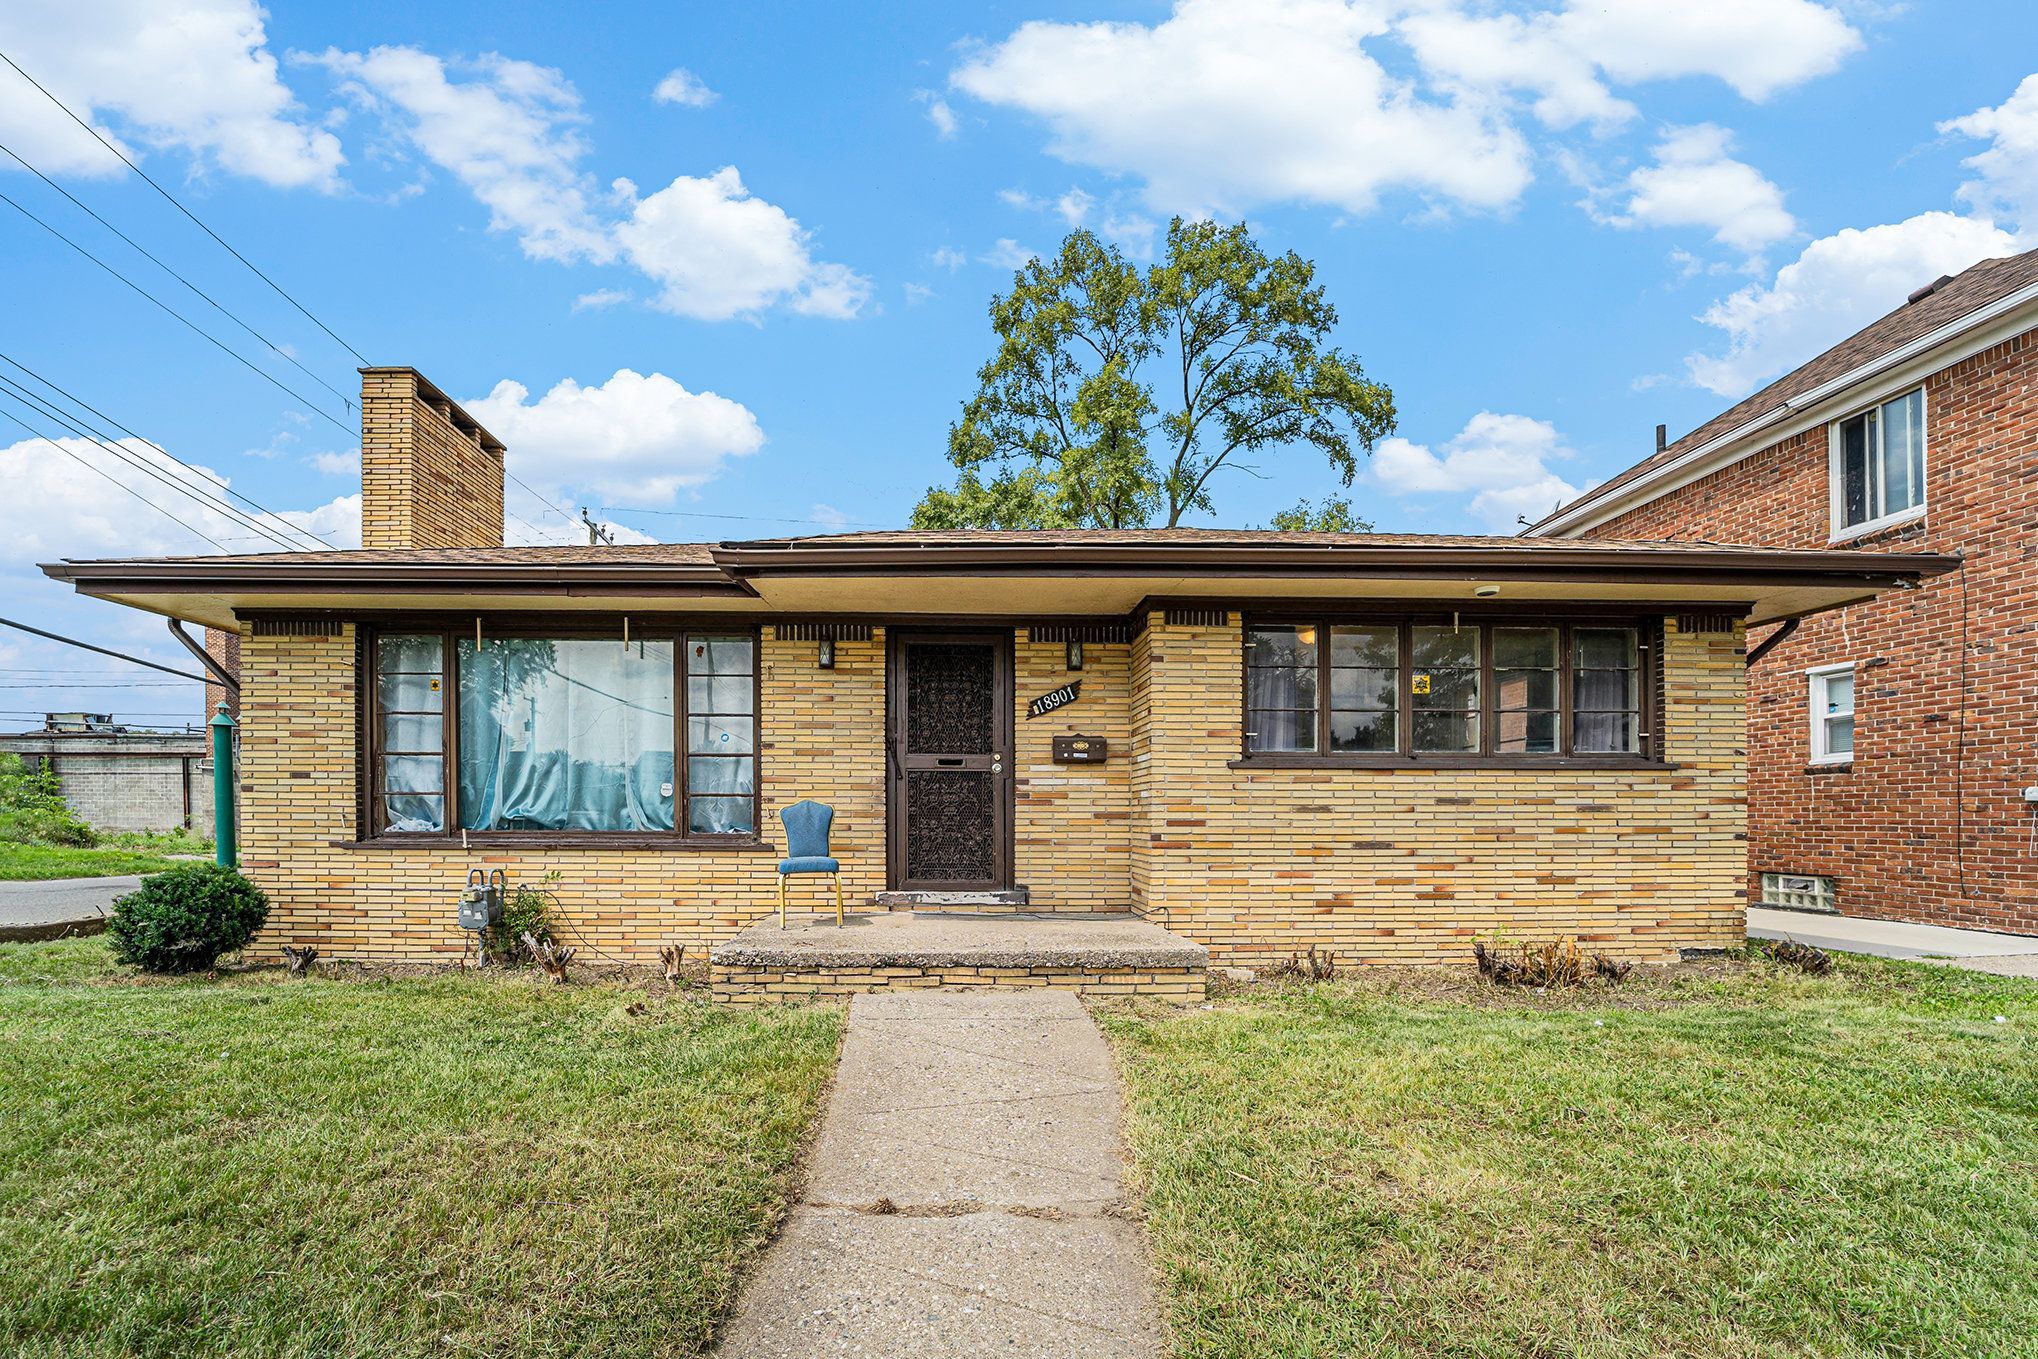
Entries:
{"x":949,"y":743}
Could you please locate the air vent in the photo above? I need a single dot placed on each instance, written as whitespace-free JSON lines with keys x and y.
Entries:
{"x":1198,"y":618}
{"x":296,"y":627}
{"x":1689,"y":623}
{"x":1920,"y":294}
{"x":1110,"y":631}
{"x":821,"y":632}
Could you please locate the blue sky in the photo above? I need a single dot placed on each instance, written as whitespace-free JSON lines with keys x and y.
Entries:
{"x":756,"y":243}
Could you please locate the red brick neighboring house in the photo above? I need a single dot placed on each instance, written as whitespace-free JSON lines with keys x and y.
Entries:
{"x":1891,"y":742}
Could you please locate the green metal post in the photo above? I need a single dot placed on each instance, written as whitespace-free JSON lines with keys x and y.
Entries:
{"x":226,"y":851}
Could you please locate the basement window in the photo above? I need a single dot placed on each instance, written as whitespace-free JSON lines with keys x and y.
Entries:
{"x":1799,"y":892}
{"x":1878,"y":465}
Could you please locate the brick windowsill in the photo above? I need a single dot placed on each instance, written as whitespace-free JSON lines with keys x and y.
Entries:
{"x":1837,"y":767}
{"x":555,"y":840}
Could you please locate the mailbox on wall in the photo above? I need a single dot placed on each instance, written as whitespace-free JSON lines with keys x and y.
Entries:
{"x":1080,"y":749}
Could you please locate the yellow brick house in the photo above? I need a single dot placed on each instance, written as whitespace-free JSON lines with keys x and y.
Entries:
{"x":1386,"y":746}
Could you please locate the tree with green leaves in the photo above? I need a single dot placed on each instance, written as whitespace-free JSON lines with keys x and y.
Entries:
{"x":1118,"y":394}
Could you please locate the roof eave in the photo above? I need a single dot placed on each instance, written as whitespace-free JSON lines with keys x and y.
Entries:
{"x":1741,"y":441}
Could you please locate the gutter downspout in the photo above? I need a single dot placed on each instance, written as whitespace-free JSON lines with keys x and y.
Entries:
{"x":204,"y":657}
{"x":1769,"y":643}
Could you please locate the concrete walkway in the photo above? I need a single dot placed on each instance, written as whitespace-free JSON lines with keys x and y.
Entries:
{"x":46,"y":909}
{"x":2009,"y":955}
{"x":964,"y":1196}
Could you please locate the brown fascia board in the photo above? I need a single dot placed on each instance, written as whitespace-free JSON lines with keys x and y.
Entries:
{"x":429,"y":391}
{"x":737,"y":566}
{"x":1758,"y":567}
{"x":395,"y":578}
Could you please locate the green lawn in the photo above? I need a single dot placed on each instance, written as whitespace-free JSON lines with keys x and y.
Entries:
{"x":1739,"y":1163}
{"x":120,"y":854}
{"x":435,"y":1165}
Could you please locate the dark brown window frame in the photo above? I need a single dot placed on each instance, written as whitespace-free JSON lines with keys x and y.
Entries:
{"x":1649,"y":632}
{"x":369,"y":832}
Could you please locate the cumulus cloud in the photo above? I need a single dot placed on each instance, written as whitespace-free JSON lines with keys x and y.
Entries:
{"x":1226,"y":105}
{"x":1839,"y":284}
{"x":716,"y":252}
{"x":684,"y":88}
{"x":1693,"y":181}
{"x":1077,"y":207}
{"x":510,"y":131}
{"x":634,"y":436}
{"x":1497,"y":467}
{"x":939,"y":113}
{"x":2006,"y":171}
{"x":195,"y":76}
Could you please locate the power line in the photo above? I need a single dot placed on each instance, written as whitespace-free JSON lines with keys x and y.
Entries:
{"x":239,"y":518}
{"x":85,"y":463}
{"x":132,"y":684}
{"x":749,"y":518}
{"x":183,"y":320}
{"x":117,"y":655}
{"x":539,"y":498}
{"x":77,"y":400}
{"x":172,"y":200}
{"x":202,"y":294}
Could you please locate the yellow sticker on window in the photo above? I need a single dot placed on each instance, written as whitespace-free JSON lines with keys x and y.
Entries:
{"x":1419,"y":685}
{"x":435,"y":685}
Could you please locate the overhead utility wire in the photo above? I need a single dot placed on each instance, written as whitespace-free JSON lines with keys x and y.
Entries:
{"x":172,"y":200}
{"x":240,"y":518}
{"x":278,"y":350}
{"x":117,"y":655}
{"x":77,"y":400}
{"x":750,"y":518}
{"x":88,"y":465}
{"x":205,"y":492}
{"x":535,"y":496}
{"x":211,"y":339}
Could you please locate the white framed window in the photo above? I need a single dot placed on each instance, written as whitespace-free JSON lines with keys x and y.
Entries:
{"x":1878,"y":465}
{"x":1831,"y":699}
{"x":1799,"y":892}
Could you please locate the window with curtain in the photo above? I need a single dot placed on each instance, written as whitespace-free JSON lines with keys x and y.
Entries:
{"x":566,"y":734}
{"x":1832,"y":712}
{"x":1440,"y":691}
{"x":1879,"y":464}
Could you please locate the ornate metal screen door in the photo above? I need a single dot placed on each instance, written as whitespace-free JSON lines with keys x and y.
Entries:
{"x":950,"y":743}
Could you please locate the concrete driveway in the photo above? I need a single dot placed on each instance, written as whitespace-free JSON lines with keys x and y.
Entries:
{"x":45,"y":910}
{"x":2008,"y":955}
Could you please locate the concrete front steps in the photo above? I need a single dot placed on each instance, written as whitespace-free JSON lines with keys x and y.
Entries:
{"x":976,"y":903}
{"x":1093,"y":955}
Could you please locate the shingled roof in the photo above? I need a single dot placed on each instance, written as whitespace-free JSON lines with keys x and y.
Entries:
{"x":1947,"y":303}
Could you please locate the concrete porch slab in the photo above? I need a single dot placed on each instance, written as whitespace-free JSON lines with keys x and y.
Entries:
{"x":1093,"y":954}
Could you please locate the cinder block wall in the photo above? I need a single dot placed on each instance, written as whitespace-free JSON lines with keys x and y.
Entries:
{"x":822,"y":735}
{"x":1928,"y":821}
{"x":1072,"y":823}
{"x":429,"y":476}
{"x":1406,"y":866}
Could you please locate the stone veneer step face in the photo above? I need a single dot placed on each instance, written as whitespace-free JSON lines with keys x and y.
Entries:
{"x":1010,"y":898}
{"x":744,"y":986}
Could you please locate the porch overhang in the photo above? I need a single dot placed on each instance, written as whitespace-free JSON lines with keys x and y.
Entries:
{"x":1014,"y":575}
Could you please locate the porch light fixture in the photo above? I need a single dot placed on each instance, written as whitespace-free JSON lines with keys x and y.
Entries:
{"x":827,"y":656}
{"x":1075,"y":654}
{"x":1485,"y":591}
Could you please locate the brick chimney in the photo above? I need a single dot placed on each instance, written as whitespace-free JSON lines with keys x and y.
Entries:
{"x":430,"y":475}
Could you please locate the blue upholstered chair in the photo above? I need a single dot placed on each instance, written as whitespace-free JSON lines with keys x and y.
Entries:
{"x":806,"y":847}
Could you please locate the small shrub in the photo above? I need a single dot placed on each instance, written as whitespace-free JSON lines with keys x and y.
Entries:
{"x":1805,"y":958}
{"x":526,"y":914}
{"x":1313,"y":966}
{"x":1546,"y":965}
{"x":33,"y":810}
{"x":183,"y":919}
